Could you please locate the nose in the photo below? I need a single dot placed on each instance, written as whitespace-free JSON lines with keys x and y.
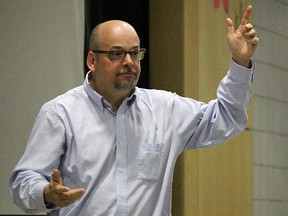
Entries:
{"x":128,"y":60}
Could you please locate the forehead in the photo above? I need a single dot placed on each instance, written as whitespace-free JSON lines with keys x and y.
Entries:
{"x":118,"y":34}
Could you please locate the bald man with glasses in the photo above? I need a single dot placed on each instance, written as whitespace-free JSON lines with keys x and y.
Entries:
{"x":109,"y":148}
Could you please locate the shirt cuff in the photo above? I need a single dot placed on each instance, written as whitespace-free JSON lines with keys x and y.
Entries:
{"x":38,"y":197}
{"x":241,"y":74}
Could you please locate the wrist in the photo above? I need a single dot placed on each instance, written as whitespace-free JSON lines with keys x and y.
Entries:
{"x":243,"y":63}
{"x":48,"y":204}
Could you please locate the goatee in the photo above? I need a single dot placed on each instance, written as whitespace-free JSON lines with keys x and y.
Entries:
{"x":128,"y":84}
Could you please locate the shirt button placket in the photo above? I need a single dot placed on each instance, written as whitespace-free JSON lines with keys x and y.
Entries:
{"x":121,"y":164}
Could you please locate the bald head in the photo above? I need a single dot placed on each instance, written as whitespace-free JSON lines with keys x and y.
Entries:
{"x":110,"y":32}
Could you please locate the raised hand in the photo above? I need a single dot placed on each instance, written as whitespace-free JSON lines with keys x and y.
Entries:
{"x":59,"y":195}
{"x":243,"y":41}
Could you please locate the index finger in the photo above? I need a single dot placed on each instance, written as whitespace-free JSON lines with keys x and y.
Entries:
{"x":246,"y":15}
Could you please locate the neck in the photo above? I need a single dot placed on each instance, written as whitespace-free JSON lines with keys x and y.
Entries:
{"x":115,"y":97}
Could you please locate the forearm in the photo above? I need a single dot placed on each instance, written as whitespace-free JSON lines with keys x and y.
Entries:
{"x":220,"y":119}
{"x":26,"y":188}
{"x":42,"y":155}
{"x":236,"y":86}
{"x":234,"y":93}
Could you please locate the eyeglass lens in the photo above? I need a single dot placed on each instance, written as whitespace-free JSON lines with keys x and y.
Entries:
{"x":121,"y":54}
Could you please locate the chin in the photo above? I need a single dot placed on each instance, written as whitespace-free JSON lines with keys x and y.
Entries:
{"x":125,"y":85}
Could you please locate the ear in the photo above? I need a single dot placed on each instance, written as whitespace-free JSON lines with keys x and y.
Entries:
{"x":90,"y":61}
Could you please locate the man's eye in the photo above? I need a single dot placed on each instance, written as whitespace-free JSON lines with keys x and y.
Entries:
{"x":134,"y":52}
{"x":117,"y":53}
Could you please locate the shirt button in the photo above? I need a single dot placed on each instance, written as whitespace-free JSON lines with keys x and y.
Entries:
{"x":122,"y":196}
{"x":121,"y":170}
{"x":120,"y":118}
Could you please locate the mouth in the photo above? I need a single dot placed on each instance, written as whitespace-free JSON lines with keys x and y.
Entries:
{"x":127,"y":71}
{"x":126,"y":74}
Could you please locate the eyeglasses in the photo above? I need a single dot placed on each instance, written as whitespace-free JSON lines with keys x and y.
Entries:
{"x":120,"y":55}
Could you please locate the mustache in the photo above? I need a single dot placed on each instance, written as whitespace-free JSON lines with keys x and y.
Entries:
{"x":126,"y":70}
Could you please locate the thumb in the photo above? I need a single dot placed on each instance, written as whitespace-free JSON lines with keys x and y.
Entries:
{"x":56,"y":177}
{"x":230,"y":27}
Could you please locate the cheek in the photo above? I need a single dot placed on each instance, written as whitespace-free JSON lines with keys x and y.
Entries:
{"x":109,"y":69}
{"x":105,"y":74}
{"x":138,"y":67}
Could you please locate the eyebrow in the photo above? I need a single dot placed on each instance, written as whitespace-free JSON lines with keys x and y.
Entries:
{"x":121,"y":48}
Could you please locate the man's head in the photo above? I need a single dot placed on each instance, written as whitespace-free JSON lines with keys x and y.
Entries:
{"x":111,"y":66}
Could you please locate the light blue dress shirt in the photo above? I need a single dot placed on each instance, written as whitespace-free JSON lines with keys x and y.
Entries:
{"x":124,"y":160}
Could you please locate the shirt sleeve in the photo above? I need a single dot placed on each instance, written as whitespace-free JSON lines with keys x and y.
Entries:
{"x":199,"y":125}
{"x":42,"y":155}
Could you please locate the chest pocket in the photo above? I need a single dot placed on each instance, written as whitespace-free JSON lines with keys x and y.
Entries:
{"x":149,"y":158}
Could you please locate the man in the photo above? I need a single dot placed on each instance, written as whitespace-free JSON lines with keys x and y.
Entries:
{"x":109,"y":148}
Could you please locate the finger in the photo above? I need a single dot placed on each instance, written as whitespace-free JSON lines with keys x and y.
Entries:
{"x":56,"y":177}
{"x":248,"y":27}
{"x":74,"y":193}
{"x":251,"y":33}
{"x":254,"y":41}
{"x":70,"y":197}
{"x":246,"y":15}
{"x":60,"y":189}
{"x":230,"y":27}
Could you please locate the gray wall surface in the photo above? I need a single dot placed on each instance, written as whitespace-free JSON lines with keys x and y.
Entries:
{"x":41,"y":56}
{"x":271,"y":109}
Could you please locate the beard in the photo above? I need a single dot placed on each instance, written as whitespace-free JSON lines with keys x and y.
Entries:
{"x":126,"y":83}
{"x":125,"y":86}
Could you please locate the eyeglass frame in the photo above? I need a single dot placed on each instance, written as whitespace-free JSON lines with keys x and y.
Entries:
{"x":108,"y":54}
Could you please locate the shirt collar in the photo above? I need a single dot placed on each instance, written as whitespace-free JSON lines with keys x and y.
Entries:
{"x":99,"y":99}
